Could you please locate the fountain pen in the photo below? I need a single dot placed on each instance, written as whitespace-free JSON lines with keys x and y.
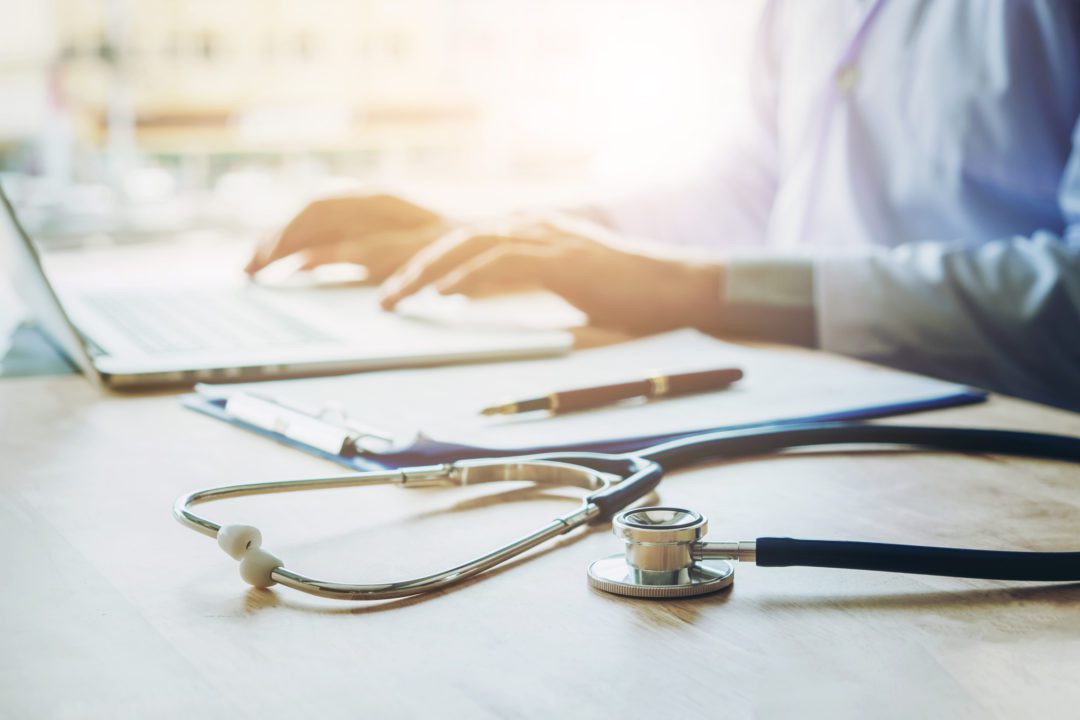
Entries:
{"x":653,"y":386}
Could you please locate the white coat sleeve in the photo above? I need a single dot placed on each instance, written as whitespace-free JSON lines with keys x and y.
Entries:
{"x":1003,"y":314}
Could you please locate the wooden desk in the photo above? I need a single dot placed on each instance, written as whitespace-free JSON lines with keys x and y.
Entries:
{"x":108,"y":608}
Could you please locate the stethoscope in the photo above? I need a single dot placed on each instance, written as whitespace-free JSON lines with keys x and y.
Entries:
{"x":665,"y":553}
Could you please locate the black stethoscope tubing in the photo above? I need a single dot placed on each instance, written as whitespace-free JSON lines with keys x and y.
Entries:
{"x":647,"y":467}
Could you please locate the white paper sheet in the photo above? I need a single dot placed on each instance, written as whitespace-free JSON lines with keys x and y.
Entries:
{"x":444,"y":403}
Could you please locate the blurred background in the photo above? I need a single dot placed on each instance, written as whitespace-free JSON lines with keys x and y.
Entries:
{"x":132,"y":119}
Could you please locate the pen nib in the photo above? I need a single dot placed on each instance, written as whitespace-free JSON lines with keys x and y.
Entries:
{"x":507,"y":409}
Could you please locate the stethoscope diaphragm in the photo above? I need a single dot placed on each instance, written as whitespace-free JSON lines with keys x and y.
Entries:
{"x":659,"y":561}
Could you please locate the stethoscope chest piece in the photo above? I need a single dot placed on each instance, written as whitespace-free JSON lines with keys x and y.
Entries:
{"x":659,"y":558}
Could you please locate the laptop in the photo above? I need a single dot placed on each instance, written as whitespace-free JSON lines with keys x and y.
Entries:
{"x":153,"y":331}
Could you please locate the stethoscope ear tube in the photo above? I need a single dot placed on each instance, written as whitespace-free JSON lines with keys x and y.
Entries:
{"x":730,"y":444}
{"x":637,"y":477}
{"x":646,"y":476}
{"x":951,"y":562}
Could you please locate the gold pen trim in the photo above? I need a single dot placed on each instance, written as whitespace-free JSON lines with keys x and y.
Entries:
{"x":553,"y":402}
{"x":658,"y":385}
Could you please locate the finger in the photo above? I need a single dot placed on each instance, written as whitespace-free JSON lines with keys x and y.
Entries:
{"x":300,"y":232}
{"x":357,"y":250}
{"x":433,"y":262}
{"x":254,"y":263}
{"x":378,"y":267}
{"x":501,"y":266}
{"x":381,"y":253}
{"x":323,"y":255}
{"x":314,"y":225}
{"x":327,"y":221}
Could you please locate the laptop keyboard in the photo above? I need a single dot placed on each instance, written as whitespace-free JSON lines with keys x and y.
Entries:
{"x":187,"y":321}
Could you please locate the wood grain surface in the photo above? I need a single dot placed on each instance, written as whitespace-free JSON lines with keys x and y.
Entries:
{"x":109,"y":608}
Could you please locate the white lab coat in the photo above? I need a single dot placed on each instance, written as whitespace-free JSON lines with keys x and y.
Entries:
{"x":924,"y":156}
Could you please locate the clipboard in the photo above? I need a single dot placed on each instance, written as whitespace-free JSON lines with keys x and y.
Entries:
{"x":427,"y":451}
{"x":444,"y":425}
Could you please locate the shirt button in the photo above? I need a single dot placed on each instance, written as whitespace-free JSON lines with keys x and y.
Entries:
{"x":846,"y":77}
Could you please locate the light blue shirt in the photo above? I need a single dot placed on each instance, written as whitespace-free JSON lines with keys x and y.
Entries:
{"x":913,"y":176}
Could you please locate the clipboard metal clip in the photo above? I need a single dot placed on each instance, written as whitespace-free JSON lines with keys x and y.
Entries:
{"x":329,"y":429}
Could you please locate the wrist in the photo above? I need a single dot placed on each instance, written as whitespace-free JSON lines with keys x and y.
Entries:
{"x":702,"y":285}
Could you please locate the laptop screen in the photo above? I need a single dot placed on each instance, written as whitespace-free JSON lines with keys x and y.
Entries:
{"x":28,"y":276}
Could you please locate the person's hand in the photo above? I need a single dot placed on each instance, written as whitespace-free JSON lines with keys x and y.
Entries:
{"x":379,"y":232}
{"x":614,"y":283}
